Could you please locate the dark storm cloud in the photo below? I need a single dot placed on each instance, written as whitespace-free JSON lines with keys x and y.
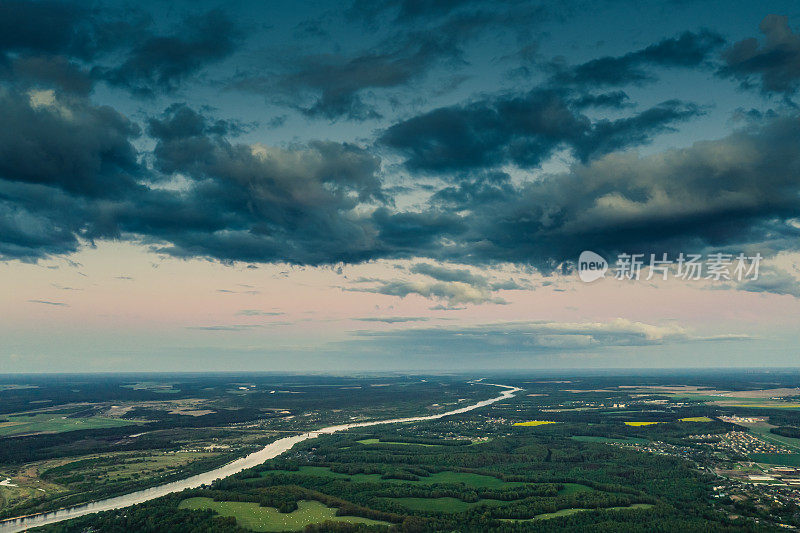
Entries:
{"x":258,"y":203}
{"x":67,"y":144}
{"x":689,"y":49}
{"x":415,"y":234}
{"x":407,"y":9}
{"x":317,"y":174}
{"x":69,"y":174}
{"x":32,"y":228}
{"x":160,"y":63}
{"x":37,"y":40}
{"x":523,"y":130}
{"x":441,"y":273}
{"x":69,"y":46}
{"x":773,"y":280}
{"x":742,"y":189}
{"x":414,"y":10}
{"x":77,"y":30}
{"x":63,"y":162}
{"x":340,"y":85}
{"x":183,"y":123}
{"x":334,"y":83}
{"x":611,"y":100}
{"x":50,"y":71}
{"x":774,"y":66}
{"x":43,"y":27}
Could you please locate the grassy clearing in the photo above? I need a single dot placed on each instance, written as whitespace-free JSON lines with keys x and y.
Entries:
{"x":324,"y":471}
{"x":534,"y":423}
{"x":54,"y":422}
{"x":763,"y":430}
{"x":572,"y":488}
{"x":471,"y":480}
{"x":254,"y":517}
{"x":592,"y":438}
{"x":762,"y":405}
{"x":153,"y":386}
{"x":783,"y":459}
{"x":378,"y":441}
{"x":123,"y":466}
{"x":696,"y":397}
{"x":444,"y":505}
{"x":14,"y":386}
{"x":567,"y":512}
{"x":22,"y":491}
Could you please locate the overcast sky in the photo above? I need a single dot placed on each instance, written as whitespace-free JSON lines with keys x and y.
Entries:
{"x":399,"y":185}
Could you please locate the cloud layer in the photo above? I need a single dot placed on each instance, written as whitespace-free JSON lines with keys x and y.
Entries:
{"x":473,"y":189}
{"x":531,"y":337}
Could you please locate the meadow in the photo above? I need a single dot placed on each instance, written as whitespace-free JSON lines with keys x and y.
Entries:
{"x":256,"y":518}
{"x":55,"y":422}
{"x":447,"y":477}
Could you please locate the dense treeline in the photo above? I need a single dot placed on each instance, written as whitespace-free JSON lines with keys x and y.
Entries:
{"x":23,"y":449}
{"x":787,"y":431}
{"x":223,"y":417}
{"x":158,"y":516}
{"x":26,"y":392}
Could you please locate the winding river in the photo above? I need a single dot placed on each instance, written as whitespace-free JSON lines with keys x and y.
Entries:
{"x":254,"y":459}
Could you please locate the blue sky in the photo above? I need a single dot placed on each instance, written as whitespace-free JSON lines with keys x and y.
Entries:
{"x":364,"y":185}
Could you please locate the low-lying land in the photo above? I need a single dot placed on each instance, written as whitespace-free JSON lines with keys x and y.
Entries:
{"x":66,"y":442}
{"x":562,"y":455}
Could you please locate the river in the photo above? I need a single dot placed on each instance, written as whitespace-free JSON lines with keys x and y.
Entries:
{"x":270,"y":451}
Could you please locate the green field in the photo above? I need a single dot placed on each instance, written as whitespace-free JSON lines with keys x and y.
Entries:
{"x":54,"y":422}
{"x":444,"y":505}
{"x":471,"y":480}
{"x":696,"y":397}
{"x":591,"y":438}
{"x":153,"y":386}
{"x":378,"y":441}
{"x":572,"y":488}
{"x":124,"y":465}
{"x":324,"y":471}
{"x":567,"y":512}
{"x":783,"y":459}
{"x":763,"y":431}
{"x":254,"y":517}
